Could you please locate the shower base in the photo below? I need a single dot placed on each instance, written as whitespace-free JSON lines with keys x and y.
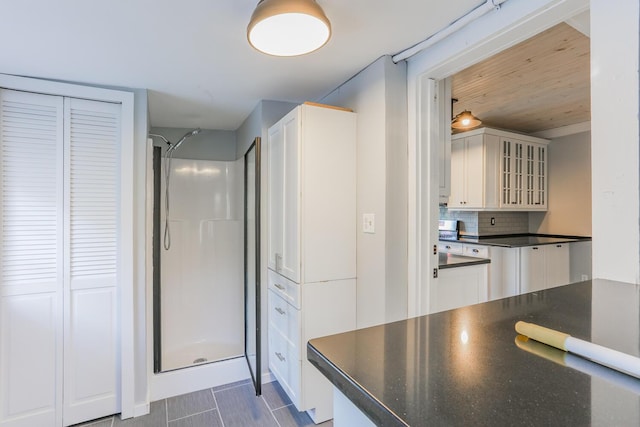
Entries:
{"x":198,"y":354}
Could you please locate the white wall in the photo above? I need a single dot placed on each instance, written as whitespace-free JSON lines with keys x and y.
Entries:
{"x":378,"y":95}
{"x":614,"y":140}
{"x":569,"y":171}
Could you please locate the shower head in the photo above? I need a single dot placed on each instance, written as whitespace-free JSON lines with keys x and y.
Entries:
{"x":186,"y":135}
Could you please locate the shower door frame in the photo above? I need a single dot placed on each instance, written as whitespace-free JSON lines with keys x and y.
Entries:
{"x":255,"y":376}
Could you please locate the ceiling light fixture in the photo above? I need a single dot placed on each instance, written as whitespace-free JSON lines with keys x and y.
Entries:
{"x":288,"y":27}
{"x":465,"y":120}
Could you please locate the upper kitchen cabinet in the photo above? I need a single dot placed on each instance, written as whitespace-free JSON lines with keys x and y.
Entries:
{"x":498,"y":170}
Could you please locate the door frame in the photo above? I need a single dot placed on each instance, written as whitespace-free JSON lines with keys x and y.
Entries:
{"x":257,"y":376}
{"x":510,"y":24}
{"x":126,"y":278}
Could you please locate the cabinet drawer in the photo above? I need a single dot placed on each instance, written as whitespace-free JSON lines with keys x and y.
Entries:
{"x":288,"y":290}
{"x":450,"y":248}
{"x":284,"y":365}
{"x":285,"y":318}
{"x":476,"y":251}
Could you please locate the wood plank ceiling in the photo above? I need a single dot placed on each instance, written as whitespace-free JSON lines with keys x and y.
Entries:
{"x":539,"y":84}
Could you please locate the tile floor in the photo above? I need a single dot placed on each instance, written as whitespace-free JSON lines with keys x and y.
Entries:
{"x":231,"y":405}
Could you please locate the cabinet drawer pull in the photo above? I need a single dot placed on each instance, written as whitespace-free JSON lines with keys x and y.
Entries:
{"x":279,"y":310}
{"x":535,"y":248}
{"x":280,"y":356}
{"x":448,"y":246}
{"x":558,"y":246}
{"x":279,"y":286}
{"x":475,"y":251}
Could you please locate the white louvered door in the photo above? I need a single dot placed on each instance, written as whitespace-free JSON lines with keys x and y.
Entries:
{"x":91,"y":167}
{"x":59,"y":220}
{"x":31,"y":135}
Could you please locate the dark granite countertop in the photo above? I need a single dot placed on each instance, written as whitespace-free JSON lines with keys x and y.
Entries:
{"x":463,"y":367}
{"x":519,"y":240}
{"x":451,"y":260}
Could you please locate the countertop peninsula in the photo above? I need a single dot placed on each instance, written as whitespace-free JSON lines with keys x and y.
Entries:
{"x":464,"y":366}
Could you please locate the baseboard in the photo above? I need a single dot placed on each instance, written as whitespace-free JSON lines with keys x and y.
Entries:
{"x":267,"y":377}
{"x":141,"y":409}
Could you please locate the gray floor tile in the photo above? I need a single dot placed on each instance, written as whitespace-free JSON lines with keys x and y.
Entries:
{"x":275,"y":395}
{"x":204,"y":419}
{"x":231,"y":385}
{"x":290,"y":417}
{"x":157,"y":417}
{"x":189,"y":404}
{"x":102,"y":422}
{"x":239,"y":407}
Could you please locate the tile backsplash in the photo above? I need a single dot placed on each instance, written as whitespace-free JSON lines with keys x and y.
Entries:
{"x":474,"y":223}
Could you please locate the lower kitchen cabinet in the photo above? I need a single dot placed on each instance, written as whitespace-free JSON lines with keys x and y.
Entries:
{"x":298,"y":313}
{"x":503,"y":279}
{"x":457,"y":287}
{"x":514,"y":271}
{"x":544,"y":266}
{"x":503,"y":272}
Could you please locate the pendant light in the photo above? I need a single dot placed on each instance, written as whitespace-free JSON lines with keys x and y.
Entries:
{"x":288,"y":27}
{"x":465,"y":120}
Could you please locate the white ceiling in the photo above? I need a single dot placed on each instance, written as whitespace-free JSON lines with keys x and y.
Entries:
{"x":192,"y":55}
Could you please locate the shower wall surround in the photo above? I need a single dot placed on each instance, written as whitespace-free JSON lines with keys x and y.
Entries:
{"x":476,"y":223}
{"x":202,"y":273}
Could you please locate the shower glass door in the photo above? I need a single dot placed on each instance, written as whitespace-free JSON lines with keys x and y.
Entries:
{"x":252,"y":261}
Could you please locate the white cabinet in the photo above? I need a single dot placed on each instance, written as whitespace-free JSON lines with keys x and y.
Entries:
{"x":557,"y":264}
{"x":498,"y":170}
{"x":457,"y":287}
{"x":503,"y":277}
{"x":61,"y":242}
{"x":504,"y":280}
{"x":473,"y":172}
{"x":544,"y":266}
{"x":523,"y":178}
{"x":311,"y":245}
{"x":450,"y":248}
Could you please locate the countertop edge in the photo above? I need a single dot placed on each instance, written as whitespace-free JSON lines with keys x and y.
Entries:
{"x":377,"y":412}
{"x":482,"y":240}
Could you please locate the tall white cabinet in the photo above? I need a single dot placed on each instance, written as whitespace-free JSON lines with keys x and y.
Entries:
{"x":311,"y":245}
{"x":60,"y":198}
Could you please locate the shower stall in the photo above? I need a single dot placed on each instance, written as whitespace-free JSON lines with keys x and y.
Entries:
{"x":200,"y":275}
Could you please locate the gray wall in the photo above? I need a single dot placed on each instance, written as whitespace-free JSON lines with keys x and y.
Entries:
{"x":263,"y":116}
{"x":378,"y":94}
{"x":569,"y":201}
{"x":207,"y":145}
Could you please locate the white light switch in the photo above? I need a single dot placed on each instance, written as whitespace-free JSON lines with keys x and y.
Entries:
{"x":369,"y":223}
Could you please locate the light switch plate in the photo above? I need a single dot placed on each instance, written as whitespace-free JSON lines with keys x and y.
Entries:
{"x":368,"y":223}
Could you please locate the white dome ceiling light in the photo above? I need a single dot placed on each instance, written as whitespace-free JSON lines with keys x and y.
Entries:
{"x":288,"y":27}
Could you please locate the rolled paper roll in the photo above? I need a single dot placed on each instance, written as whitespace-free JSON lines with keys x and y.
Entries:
{"x":605,"y":356}
{"x":578,"y":363}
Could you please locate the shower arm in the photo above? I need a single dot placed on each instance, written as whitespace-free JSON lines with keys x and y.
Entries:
{"x":173,"y":147}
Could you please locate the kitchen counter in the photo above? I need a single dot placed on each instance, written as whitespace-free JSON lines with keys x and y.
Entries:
{"x":463,"y":367}
{"x":519,"y":240}
{"x":451,"y":260}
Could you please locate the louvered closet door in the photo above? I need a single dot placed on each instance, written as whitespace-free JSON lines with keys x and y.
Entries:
{"x":91,"y":363}
{"x":31,"y":135}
